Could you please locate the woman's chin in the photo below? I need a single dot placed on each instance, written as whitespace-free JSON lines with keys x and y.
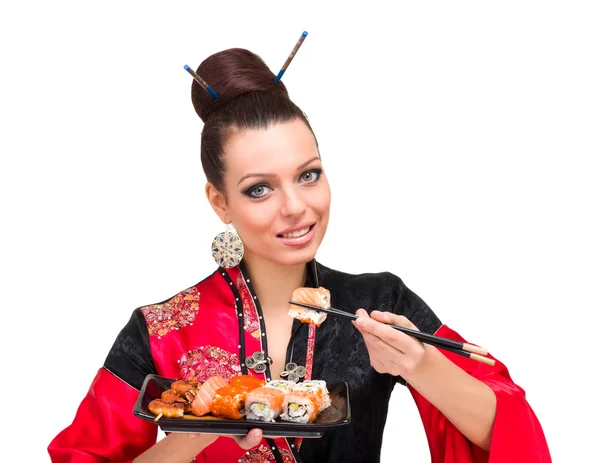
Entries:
{"x":294,"y":257}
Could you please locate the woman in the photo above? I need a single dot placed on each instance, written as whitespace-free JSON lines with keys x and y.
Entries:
{"x":265,"y":176}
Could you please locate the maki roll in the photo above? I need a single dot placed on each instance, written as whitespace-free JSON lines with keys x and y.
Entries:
{"x":282,"y":384}
{"x":300,"y":407}
{"x":264,"y":403}
{"x":319,"y":389}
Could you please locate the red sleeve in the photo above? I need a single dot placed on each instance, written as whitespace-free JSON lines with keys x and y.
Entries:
{"x":517,"y":435}
{"x":104,"y":429}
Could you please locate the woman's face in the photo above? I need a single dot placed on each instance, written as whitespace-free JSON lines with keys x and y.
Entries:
{"x":276,"y":193}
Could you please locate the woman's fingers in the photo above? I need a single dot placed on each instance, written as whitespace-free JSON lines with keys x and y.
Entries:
{"x":374,"y":344}
{"x":390,"y":350}
{"x":251,"y":440}
{"x":393,"y":319}
{"x":383,"y":356}
{"x":387,"y":334}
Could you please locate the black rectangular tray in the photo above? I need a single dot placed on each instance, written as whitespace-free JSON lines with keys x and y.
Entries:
{"x":336,"y":415}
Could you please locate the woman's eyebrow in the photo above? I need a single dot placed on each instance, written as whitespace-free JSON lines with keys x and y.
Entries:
{"x":255,"y":175}
{"x":301,"y":166}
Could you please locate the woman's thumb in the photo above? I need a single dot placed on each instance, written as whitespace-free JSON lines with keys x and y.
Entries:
{"x":251,"y":440}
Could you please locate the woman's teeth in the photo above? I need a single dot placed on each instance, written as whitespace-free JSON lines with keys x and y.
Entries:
{"x":297,"y":233}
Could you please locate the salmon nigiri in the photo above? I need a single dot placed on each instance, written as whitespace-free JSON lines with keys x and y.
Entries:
{"x":206,"y":394}
{"x":319,"y":297}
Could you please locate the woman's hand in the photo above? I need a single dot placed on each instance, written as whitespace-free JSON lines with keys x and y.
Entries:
{"x":184,"y":447}
{"x":390,"y":350}
{"x":468,"y":403}
{"x":250,"y":440}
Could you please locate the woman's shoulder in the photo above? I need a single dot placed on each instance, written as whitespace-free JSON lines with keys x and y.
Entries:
{"x":177,"y":310}
{"x":130,"y":358}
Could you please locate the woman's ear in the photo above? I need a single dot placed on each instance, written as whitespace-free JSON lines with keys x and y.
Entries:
{"x":218,"y":202}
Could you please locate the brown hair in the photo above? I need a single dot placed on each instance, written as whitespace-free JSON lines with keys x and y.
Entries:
{"x":248,"y":99}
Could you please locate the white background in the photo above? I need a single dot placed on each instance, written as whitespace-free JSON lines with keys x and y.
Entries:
{"x":460,"y":139}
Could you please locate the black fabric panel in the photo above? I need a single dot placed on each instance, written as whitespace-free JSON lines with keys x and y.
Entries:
{"x":341,"y":355}
{"x":406,"y":302}
{"x":130,"y":357}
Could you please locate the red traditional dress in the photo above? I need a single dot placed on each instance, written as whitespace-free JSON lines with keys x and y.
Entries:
{"x":210,"y":328}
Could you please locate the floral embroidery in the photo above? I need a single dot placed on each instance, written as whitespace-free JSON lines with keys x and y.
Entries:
{"x":176,"y":313}
{"x":287,"y":456}
{"x":263,"y":454}
{"x":251,"y":324}
{"x":200,"y":364}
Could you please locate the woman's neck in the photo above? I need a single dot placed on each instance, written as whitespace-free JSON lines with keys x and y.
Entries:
{"x":274,"y":283}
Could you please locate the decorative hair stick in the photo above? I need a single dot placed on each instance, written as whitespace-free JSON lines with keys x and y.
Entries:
{"x":291,"y":57}
{"x":202,"y":83}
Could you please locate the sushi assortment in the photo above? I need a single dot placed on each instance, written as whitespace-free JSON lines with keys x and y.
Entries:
{"x":250,"y":398}
{"x":244,"y":397}
{"x":319,"y":297}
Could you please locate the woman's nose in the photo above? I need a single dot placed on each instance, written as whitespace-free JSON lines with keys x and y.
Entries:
{"x":293,"y":204}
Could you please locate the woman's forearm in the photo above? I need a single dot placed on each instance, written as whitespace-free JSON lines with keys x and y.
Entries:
{"x":176,"y":448}
{"x":468,"y":403}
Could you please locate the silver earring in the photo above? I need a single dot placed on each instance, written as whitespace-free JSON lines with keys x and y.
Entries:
{"x":227,"y":249}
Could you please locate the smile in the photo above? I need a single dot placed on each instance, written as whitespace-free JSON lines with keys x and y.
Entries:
{"x":298,"y":236}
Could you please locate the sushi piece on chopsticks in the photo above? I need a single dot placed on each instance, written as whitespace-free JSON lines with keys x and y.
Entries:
{"x":264,"y":403}
{"x":319,"y":297}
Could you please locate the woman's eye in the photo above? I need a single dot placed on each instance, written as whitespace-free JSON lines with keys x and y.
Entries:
{"x":311,"y":175}
{"x":258,"y":191}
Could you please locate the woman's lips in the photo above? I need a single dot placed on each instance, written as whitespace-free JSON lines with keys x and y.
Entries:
{"x":298,"y":237}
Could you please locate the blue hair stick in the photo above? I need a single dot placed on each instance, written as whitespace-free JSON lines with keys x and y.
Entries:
{"x":202,"y":82}
{"x":291,"y":57}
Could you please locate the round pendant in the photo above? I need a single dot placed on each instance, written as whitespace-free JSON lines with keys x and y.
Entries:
{"x":227,"y":249}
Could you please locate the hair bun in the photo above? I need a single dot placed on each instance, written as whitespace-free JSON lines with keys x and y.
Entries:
{"x":231,"y":73}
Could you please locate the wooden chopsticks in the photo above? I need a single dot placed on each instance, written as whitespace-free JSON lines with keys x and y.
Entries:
{"x":466,"y":350}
